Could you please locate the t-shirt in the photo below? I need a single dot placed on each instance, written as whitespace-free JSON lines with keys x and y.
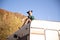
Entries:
{"x":31,"y":17}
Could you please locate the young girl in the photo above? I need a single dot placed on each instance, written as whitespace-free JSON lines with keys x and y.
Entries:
{"x":30,"y":15}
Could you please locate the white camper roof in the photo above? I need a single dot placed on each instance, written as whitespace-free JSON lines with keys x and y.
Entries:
{"x":45,"y":24}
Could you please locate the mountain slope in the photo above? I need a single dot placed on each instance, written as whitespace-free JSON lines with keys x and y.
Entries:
{"x":10,"y":23}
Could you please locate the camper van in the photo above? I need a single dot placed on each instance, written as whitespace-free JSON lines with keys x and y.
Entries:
{"x":38,"y":30}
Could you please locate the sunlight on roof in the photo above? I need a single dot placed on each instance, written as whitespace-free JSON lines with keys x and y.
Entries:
{"x":45,"y":24}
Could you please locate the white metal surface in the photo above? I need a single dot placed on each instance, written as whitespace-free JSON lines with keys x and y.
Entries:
{"x":51,"y":35}
{"x":36,"y":37}
{"x":44,"y":34}
{"x":36,"y":31}
{"x":45,"y":24}
{"x":44,"y":30}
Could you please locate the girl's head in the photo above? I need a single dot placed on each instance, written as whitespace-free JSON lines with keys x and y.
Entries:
{"x":29,"y":12}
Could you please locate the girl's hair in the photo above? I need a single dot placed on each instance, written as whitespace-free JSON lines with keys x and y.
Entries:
{"x":29,"y":11}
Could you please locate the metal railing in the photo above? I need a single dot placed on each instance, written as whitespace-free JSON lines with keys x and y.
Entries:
{"x":58,"y":31}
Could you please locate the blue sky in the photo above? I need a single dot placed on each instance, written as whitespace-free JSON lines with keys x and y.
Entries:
{"x":42,"y":9}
